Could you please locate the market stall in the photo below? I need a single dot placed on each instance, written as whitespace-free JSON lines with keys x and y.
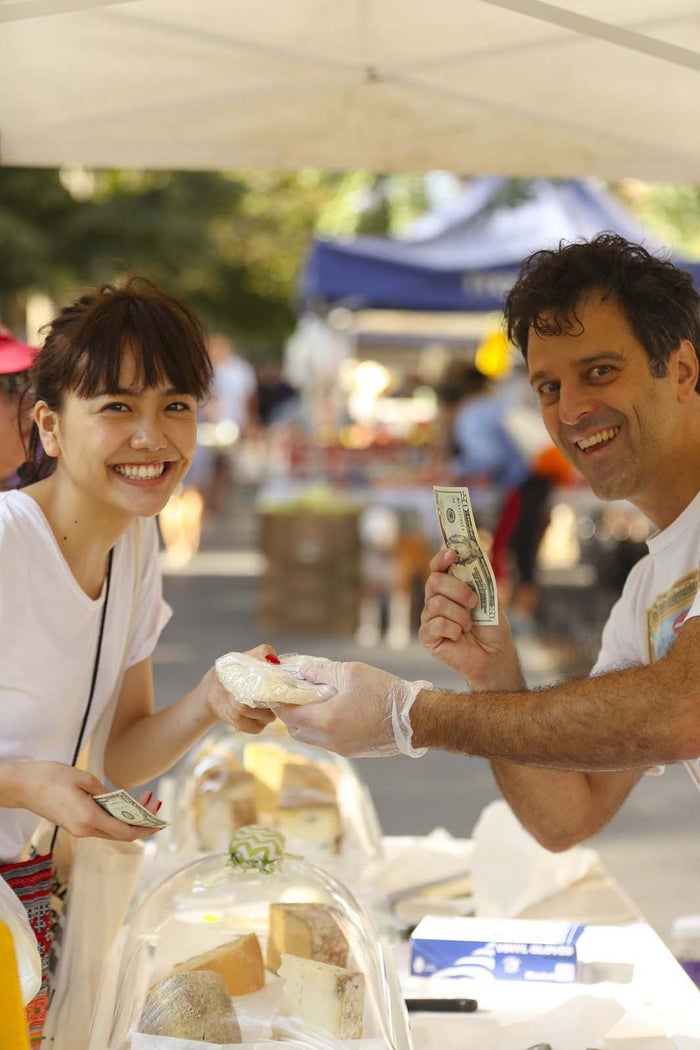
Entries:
{"x":465,"y":255}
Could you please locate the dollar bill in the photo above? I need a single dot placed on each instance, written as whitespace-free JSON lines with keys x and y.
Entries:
{"x":122,"y":806}
{"x":456,"y":517}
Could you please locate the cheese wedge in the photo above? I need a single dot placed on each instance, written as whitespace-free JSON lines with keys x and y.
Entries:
{"x":239,"y":962}
{"x":327,"y":999}
{"x":308,"y":931}
{"x":307,"y":812}
{"x":266,"y":761}
{"x":191,"y":1006}
{"x":224,"y":800}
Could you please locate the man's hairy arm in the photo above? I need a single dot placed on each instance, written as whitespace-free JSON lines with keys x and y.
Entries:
{"x":561,"y":809}
{"x":627,"y":719}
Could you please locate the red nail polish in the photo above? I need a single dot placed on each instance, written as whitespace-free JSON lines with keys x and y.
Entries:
{"x":148,"y":798}
{"x":272,"y":659}
{"x":158,"y":806}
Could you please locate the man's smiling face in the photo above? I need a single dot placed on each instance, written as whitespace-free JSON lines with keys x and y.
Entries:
{"x":603,"y":407}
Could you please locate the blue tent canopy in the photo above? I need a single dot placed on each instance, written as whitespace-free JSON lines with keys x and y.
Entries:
{"x":466,"y":255}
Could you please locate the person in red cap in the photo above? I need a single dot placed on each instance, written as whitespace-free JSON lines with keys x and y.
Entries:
{"x":15,"y":419}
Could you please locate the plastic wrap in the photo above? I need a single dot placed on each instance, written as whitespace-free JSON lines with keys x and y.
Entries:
{"x":258,"y":683}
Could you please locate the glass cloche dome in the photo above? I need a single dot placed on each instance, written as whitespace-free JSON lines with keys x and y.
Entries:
{"x":315,"y":798}
{"x":254,"y":948}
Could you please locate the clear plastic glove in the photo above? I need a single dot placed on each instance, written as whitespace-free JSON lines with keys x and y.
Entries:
{"x":369,"y":716}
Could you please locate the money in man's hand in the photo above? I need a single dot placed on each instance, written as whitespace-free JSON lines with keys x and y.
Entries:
{"x":122,"y":806}
{"x":459,"y":531}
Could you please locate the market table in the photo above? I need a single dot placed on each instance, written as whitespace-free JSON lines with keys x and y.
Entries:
{"x":625,"y":969}
{"x":511,"y":1015}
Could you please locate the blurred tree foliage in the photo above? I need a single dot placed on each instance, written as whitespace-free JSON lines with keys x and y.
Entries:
{"x":230,"y":244}
{"x":670,"y":211}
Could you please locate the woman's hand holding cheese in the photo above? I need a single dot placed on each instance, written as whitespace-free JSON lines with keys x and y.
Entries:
{"x":224,"y":701}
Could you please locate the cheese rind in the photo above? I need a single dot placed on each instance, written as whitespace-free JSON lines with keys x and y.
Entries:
{"x":191,"y":1006}
{"x":327,"y":999}
{"x":308,"y":931}
{"x":239,"y":962}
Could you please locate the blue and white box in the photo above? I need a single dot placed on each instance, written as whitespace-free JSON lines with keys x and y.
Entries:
{"x":509,"y":949}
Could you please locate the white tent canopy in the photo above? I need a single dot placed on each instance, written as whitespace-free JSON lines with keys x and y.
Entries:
{"x":517,"y":87}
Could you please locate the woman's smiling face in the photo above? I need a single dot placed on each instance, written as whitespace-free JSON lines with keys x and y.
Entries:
{"x":122,"y":451}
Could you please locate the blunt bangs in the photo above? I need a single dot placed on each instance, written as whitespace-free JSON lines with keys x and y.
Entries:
{"x":166,"y":342}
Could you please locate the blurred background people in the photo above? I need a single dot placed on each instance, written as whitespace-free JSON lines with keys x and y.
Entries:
{"x":225,"y":422}
{"x":15,"y":406}
{"x":274,"y":392}
{"x":232,"y":415}
{"x":501,"y":452}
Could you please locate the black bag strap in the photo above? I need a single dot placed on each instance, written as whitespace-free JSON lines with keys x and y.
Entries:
{"x":95,"y":669}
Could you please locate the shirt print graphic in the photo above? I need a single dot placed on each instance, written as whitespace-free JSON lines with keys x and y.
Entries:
{"x":665,"y":617}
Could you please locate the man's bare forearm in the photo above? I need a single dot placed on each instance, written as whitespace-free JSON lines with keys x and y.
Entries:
{"x":624,"y":720}
{"x":562,"y":808}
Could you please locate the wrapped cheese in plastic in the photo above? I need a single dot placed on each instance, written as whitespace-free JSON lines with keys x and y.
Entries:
{"x":258,"y":683}
{"x":194,"y":1006}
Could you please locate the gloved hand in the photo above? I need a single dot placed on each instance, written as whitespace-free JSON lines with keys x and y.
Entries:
{"x":369,"y":715}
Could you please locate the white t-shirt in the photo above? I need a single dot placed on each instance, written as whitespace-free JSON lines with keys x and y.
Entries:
{"x":48,"y":638}
{"x":661,"y":592}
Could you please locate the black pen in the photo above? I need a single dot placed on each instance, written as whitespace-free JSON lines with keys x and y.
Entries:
{"x":442,"y":1006}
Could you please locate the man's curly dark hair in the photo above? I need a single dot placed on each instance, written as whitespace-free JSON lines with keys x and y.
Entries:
{"x":659,"y":300}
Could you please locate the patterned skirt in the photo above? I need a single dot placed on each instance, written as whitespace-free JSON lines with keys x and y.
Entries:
{"x":32,"y":881}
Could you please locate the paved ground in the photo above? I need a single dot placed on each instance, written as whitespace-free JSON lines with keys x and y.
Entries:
{"x":653,"y":844}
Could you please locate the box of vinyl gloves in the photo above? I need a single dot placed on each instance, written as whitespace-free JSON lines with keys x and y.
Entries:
{"x":508,"y":949}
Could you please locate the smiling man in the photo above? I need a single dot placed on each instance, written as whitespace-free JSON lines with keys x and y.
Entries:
{"x":611,"y":337}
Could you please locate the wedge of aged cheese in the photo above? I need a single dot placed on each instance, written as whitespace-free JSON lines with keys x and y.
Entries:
{"x":224,"y":799}
{"x":239,"y":962}
{"x":307,"y":811}
{"x":305,"y":930}
{"x":191,"y":1006}
{"x":266,"y":762}
{"x":328,"y":999}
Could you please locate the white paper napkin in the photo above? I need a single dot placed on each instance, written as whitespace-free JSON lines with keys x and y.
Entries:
{"x":511,"y":871}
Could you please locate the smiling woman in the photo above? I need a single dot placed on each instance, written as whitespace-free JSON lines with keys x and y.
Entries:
{"x":119,"y":341}
{"x":117,"y":386}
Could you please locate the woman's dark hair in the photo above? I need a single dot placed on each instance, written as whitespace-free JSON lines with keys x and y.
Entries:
{"x":85,"y":345}
{"x":660,"y":300}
